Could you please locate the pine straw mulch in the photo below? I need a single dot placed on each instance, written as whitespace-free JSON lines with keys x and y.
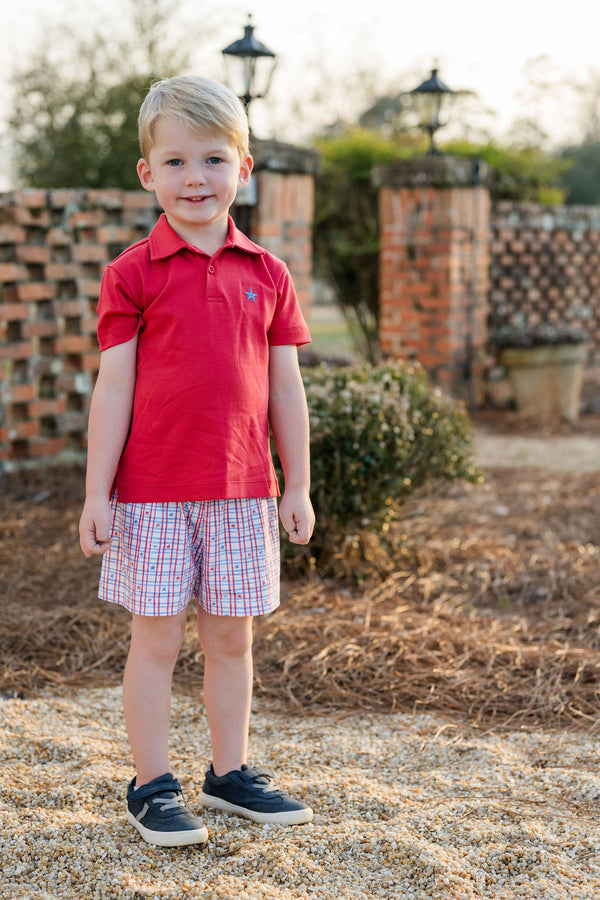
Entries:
{"x":491,"y":609}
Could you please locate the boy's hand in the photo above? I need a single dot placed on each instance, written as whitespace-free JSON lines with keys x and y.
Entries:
{"x":297,"y":516}
{"x":95,"y":526}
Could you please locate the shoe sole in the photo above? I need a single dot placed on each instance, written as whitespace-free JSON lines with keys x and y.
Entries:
{"x":290,"y":817}
{"x":169,"y":838}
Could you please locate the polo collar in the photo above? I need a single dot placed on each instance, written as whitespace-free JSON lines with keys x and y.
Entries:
{"x":165,"y":242}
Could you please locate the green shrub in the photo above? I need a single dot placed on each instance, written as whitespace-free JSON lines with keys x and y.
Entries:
{"x":377,"y":433}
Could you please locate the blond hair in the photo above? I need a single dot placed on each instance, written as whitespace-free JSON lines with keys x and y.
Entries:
{"x":201,"y":104}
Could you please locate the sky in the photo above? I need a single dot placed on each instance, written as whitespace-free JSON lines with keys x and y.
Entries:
{"x":484,"y":47}
{"x":324,"y":45}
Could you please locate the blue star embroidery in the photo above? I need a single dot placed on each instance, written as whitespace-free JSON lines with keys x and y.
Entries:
{"x":250,"y":295}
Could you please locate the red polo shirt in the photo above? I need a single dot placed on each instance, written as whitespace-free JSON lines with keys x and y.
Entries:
{"x":199,"y":429}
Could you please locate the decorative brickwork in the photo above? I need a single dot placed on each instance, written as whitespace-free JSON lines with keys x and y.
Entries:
{"x":545,"y":267}
{"x":54,"y":246}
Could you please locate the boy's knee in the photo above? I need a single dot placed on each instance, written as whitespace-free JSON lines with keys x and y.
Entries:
{"x":225,"y":637}
{"x":236,"y":642}
{"x":161,"y":637}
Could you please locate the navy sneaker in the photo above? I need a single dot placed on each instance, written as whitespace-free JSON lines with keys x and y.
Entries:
{"x":249,"y":793}
{"x":158,"y":812}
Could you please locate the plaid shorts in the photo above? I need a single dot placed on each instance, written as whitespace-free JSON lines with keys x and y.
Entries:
{"x":224,"y":553}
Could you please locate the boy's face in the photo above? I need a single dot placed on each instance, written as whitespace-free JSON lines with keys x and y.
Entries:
{"x":195,"y":177}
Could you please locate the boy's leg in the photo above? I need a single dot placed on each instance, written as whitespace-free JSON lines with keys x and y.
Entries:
{"x":227,"y":645}
{"x":230,"y":784}
{"x":155,"y":805}
{"x":155,"y":645}
{"x":148,"y":570}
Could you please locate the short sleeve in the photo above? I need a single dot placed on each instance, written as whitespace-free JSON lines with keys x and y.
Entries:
{"x":288,"y":325}
{"x":119,"y":316}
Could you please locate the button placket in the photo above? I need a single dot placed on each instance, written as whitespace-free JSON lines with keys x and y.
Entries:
{"x":212,"y":292}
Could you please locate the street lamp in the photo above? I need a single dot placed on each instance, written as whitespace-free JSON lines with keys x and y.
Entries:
{"x":429,"y":97}
{"x":258,"y":65}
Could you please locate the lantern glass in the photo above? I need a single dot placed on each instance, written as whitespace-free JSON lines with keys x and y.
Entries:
{"x":250,"y":65}
{"x":428,"y":98}
{"x":429,"y":106}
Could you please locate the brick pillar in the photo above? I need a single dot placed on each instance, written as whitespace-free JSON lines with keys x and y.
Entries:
{"x":282,"y":217}
{"x":434,"y":260}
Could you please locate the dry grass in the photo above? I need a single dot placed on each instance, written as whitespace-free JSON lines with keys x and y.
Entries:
{"x":491,"y":610}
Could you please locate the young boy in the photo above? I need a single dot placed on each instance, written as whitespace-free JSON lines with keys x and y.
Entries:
{"x":198,"y":330}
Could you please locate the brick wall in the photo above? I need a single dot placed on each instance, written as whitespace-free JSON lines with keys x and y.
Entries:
{"x":54,"y":246}
{"x":545,"y":267}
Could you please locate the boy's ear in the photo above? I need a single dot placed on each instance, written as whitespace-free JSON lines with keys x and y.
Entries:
{"x":145,"y":175}
{"x":245,"y":171}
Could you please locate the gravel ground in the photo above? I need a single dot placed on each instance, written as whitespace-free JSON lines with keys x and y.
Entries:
{"x":406,"y":806}
{"x":575,"y":453}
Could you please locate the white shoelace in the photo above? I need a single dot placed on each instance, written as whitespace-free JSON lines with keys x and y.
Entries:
{"x":168,"y":802}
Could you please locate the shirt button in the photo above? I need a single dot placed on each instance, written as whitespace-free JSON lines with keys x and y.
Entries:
{"x":211,"y":269}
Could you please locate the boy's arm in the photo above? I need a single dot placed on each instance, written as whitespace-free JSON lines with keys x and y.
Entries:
{"x":288,"y":415}
{"x":110,"y":418}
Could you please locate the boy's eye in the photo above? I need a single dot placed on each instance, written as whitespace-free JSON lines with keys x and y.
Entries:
{"x":214,"y":160}
{"x":174,"y":162}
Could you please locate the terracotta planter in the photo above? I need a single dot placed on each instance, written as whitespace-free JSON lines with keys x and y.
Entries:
{"x":546,"y":380}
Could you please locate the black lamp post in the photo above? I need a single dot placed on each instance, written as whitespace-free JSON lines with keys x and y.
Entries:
{"x":250,"y":82}
{"x":429,"y":98}
{"x":258,"y":65}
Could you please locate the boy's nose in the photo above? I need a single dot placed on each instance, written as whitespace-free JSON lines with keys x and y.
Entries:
{"x":195,"y":175}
